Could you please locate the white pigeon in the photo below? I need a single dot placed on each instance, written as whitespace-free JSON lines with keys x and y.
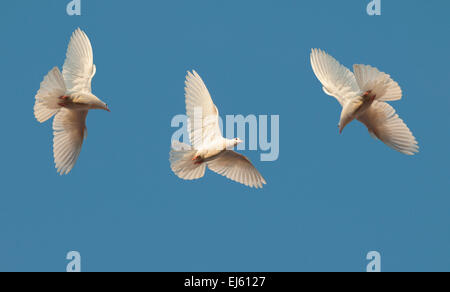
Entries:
{"x":69,"y":97}
{"x":363,"y":95}
{"x":209,"y":148}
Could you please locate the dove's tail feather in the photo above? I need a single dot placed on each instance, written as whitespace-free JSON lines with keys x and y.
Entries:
{"x":47,"y":98}
{"x":181,"y":162}
{"x":379,"y":83}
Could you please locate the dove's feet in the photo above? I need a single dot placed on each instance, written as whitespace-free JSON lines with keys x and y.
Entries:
{"x":197,"y":160}
{"x":64,"y":100}
{"x":369,"y":95}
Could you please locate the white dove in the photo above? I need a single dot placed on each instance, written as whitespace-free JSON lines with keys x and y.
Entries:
{"x":209,"y":147}
{"x":363,"y":95}
{"x":68,"y":96}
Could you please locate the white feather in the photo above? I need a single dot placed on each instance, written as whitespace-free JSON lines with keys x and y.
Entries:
{"x":47,"y":98}
{"x":201,"y":111}
{"x":384,"y":124}
{"x":238,"y":168}
{"x":336,"y":79}
{"x":69,"y":128}
{"x":380,"y":83}
{"x":79,"y":68}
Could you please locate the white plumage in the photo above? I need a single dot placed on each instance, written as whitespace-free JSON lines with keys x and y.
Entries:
{"x":209,"y":148}
{"x":68,"y":97}
{"x":363,"y":95}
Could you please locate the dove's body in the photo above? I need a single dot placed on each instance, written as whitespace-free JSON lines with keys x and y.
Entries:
{"x":213,"y":150}
{"x":68,"y":97}
{"x":353,"y":109}
{"x":212,"y":155}
{"x":209,"y":148}
{"x":363,"y":96}
{"x":81,"y":101}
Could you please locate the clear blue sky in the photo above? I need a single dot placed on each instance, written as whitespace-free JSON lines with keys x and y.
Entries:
{"x":330,"y":198}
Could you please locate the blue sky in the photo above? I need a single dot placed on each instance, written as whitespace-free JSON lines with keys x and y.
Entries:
{"x":330,"y":198}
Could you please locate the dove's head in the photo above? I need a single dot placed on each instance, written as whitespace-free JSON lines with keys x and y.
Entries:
{"x":345,"y":120}
{"x":341,"y":128}
{"x":233,"y":142}
{"x":350,"y":111}
{"x":98,"y":104}
{"x":237,"y":141}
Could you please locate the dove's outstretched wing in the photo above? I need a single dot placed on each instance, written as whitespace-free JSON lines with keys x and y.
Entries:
{"x":384,"y":124}
{"x":79,"y":68}
{"x":69,"y":128}
{"x":237,"y":167}
{"x":202,"y":113}
{"x":337,"y":80}
{"x":380,"y":83}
